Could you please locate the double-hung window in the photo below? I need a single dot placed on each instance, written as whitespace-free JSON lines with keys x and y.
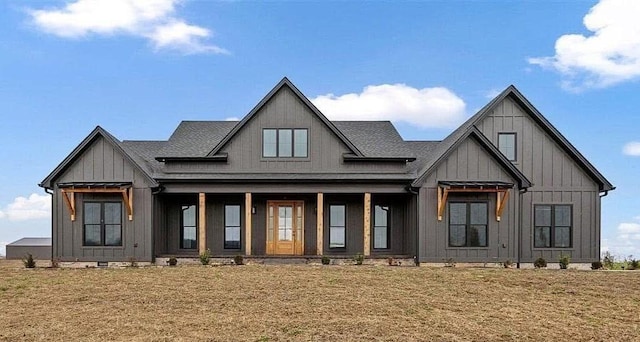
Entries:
{"x":380,"y":227}
{"x":507,"y":145}
{"x":232,"y":226}
{"x":468,"y":224}
{"x":285,"y":143}
{"x":102,"y":224}
{"x":188,"y":228}
{"x":337,"y":226}
{"x":552,"y":226}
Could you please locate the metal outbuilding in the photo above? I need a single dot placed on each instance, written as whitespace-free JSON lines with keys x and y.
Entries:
{"x":39,"y":247}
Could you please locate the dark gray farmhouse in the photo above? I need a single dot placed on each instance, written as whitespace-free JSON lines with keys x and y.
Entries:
{"x":506,"y":185}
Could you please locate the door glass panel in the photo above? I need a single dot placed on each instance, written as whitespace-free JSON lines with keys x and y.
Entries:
{"x":298,"y":223}
{"x":285,"y":223}
{"x":270,"y":224}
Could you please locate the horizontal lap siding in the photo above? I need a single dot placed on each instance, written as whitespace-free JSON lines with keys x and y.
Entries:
{"x":101,"y":162}
{"x":557,"y":179}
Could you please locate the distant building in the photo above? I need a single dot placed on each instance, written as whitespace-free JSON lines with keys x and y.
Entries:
{"x":39,"y":248}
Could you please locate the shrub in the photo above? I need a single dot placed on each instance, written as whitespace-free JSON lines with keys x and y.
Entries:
{"x":238,"y":260}
{"x":326,"y":260}
{"x":133,"y":262}
{"x":450,"y":263}
{"x":564,"y":261}
{"x":359,"y":259}
{"x":596,"y":265}
{"x":28,"y":261}
{"x":172,"y":261}
{"x":205,"y":257}
{"x":390,"y":261}
{"x":540,"y":263}
{"x":608,"y":260}
{"x":632,"y":264}
{"x":55,"y":263}
{"x":508,"y":264}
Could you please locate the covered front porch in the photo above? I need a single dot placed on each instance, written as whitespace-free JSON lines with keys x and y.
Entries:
{"x":285,"y":225}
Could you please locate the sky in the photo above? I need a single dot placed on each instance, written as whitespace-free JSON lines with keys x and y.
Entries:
{"x":137,"y":68}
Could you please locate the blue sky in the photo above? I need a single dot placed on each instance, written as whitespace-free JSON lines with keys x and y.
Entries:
{"x":137,"y":69}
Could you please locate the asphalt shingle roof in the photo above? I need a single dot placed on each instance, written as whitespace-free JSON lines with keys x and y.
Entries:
{"x":195,"y":138}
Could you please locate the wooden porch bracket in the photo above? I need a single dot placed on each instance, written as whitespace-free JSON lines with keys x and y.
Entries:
{"x":70,"y":198}
{"x":442,"y":201}
{"x":502,"y":195}
{"x":367,"y":224}
{"x":320,"y":224}
{"x":501,"y":202}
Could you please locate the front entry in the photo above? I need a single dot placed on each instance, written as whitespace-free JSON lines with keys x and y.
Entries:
{"x":285,"y":222}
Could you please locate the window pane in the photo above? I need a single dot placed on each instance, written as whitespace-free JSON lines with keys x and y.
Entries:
{"x":542,"y":237}
{"x":269,"y":143}
{"x":91,"y":213}
{"x":562,"y":215}
{"x":457,"y":235}
{"x":478,"y":213}
{"x":542,"y":215}
{"x":284,"y":143}
{"x":92,"y":235}
{"x":112,"y":213}
{"x":562,"y":237}
{"x":300,"y":141}
{"x":507,"y":145}
{"x":189,"y":215}
{"x":380,"y":216}
{"x":232,"y":215}
{"x":232,"y":237}
{"x":380,"y":237}
{"x":336,"y":215}
{"x":457,"y":213}
{"x":189,"y":237}
{"x":478,"y":236}
{"x":336,"y":237}
{"x":112,"y":235}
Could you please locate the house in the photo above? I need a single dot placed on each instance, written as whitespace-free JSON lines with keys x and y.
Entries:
{"x":285,"y":180}
{"x":38,"y":247}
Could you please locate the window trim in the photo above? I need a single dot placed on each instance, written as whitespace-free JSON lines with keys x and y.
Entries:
{"x":293,"y":143}
{"x":239,"y":226}
{"x":552,"y":227}
{"x":103,"y":225}
{"x":344,"y":227}
{"x":467,"y":224}
{"x":388,"y":227}
{"x":515,"y":145}
{"x":181,"y":237}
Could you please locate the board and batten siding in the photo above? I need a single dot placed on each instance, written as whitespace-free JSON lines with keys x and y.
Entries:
{"x":556,"y":178}
{"x":101,"y":162}
{"x":469,"y":161}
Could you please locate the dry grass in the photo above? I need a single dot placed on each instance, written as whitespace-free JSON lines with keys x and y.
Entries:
{"x":318,"y":303}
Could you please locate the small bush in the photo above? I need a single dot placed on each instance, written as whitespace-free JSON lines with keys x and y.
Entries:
{"x":172,"y":261}
{"x":238,"y":260}
{"x":28,"y":261}
{"x":133,"y":262}
{"x":564,"y":261}
{"x":508,"y":264}
{"x":358,"y":258}
{"x":632,"y":264}
{"x":450,"y":263}
{"x":596,"y":265}
{"x":55,"y":263}
{"x":390,"y":261}
{"x":205,"y":257}
{"x":326,"y":260}
{"x":608,"y":260}
{"x":540,"y":263}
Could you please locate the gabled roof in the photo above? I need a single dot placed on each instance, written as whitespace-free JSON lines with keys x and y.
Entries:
{"x":32,"y":241}
{"x":448,"y":145}
{"x":134,"y":159}
{"x":195,"y":138}
{"x":285,"y":83}
{"x":375,"y":138}
{"x":513,"y":93}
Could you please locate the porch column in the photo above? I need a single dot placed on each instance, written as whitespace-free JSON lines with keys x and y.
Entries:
{"x":367,"y":224}
{"x":202,"y":223}
{"x":247,"y":223}
{"x":320,"y":224}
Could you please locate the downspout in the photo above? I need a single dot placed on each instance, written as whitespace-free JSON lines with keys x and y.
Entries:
{"x":520,"y":195}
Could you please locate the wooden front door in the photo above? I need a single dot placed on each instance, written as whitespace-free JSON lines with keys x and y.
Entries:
{"x":285,"y":226}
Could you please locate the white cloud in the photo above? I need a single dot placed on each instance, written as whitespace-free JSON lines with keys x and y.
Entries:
{"x":610,"y":55}
{"x":233,"y":118}
{"x":31,"y":208}
{"x":435,"y":107}
{"x":629,"y":228}
{"x":626,"y":242}
{"x":155,"y":20}
{"x":632,"y":149}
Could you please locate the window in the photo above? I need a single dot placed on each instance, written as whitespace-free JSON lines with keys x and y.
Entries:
{"x":102,"y":224}
{"x":232,"y":227}
{"x":468,"y":224}
{"x":381,"y":227}
{"x":507,"y":145}
{"x":188,"y":229}
{"x":337,"y":227}
{"x":285,"y":143}
{"x":552,"y":226}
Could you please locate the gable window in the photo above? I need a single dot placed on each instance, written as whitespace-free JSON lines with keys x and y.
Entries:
{"x":381,"y":227}
{"x":507,"y":145}
{"x":552,"y":226}
{"x":337,"y":227}
{"x":468,"y":224}
{"x":285,"y":143}
{"x":232,"y":226}
{"x":188,"y":229}
{"x":102,"y":224}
